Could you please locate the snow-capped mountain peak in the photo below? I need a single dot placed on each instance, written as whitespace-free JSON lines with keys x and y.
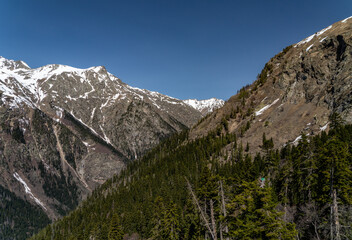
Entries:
{"x":205,"y":106}
{"x":11,"y":64}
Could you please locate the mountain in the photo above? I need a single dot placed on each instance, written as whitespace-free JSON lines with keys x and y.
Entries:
{"x":294,"y":94}
{"x":65,"y":130}
{"x":205,"y":106}
{"x":273,"y":163}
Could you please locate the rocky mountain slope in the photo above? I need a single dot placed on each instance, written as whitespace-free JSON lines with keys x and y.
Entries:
{"x":64,"y":131}
{"x":294,"y":94}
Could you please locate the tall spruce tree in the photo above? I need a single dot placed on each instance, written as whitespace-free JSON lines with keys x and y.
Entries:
{"x":115,"y":229}
{"x":252,"y":215}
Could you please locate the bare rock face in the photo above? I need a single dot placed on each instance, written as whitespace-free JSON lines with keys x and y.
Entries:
{"x":64,"y":130}
{"x":295,"y":93}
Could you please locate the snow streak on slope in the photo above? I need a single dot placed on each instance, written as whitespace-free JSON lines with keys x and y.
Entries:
{"x":308,"y":39}
{"x":28,"y":190}
{"x":259,"y":112}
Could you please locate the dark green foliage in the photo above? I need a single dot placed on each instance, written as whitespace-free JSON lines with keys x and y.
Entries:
{"x":225,"y":124}
{"x":18,"y":218}
{"x":165,"y":220}
{"x":283,"y":52}
{"x":335,"y":120}
{"x":17,"y":134}
{"x":252,"y":215}
{"x":243,"y":93}
{"x":62,"y":189}
{"x":151,"y":198}
{"x":262,"y":77}
{"x":267,"y":144}
{"x":115,"y":229}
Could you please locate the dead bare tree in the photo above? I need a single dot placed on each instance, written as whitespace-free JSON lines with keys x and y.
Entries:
{"x":223,"y":207}
{"x":204,"y":216}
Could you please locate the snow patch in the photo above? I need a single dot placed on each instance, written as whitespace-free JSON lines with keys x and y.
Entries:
{"x":308,"y":39}
{"x":346,"y":19}
{"x":91,"y":117}
{"x":322,"y":39}
{"x":322,"y":31}
{"x":86,"y":143}
{"x":305,"y":40}
{"x":323,"y":128}
{"x":309,"y":47}
{"x":105,"y":137}
{"x":259,"y":112}
{"x":297,"y":139}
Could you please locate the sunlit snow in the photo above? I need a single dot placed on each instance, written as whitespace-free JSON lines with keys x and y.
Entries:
{"x":323,"y":128}
{"x":260,"y":111}
{"x":346,"y":19}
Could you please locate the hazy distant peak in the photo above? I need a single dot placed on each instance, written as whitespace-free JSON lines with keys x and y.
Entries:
{"x":205,"y":106}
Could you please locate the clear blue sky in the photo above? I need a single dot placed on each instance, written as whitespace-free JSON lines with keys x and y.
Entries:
{"x":182,"y":48}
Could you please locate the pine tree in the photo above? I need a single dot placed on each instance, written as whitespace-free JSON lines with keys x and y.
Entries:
{"x":304,"y":172}
{"x":166,"y":221}
{"x":252,"y":215}
{"x":115,"y":229}
{"x":334,"y":172}
{"x":335,"y":120}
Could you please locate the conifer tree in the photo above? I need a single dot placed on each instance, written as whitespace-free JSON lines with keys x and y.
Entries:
{"x":252,"y":215}
{"x":115,"y":229}
{"x":166,"y":221}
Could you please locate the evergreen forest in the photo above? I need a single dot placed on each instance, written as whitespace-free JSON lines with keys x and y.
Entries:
{"x":213,"y":188}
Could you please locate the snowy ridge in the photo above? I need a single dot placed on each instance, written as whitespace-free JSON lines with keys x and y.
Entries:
{"x":308,"y":39}
{"x":24,"y":85}
{"x":20,"y":84}
{"x":95,"y":92}
{"x":317,"y":34}
{"x":346,"y":19}
{"x":205,"y":106}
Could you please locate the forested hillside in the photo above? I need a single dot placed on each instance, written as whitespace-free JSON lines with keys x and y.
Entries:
{"x":211,"y":188}
{"x":18,"y":218}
